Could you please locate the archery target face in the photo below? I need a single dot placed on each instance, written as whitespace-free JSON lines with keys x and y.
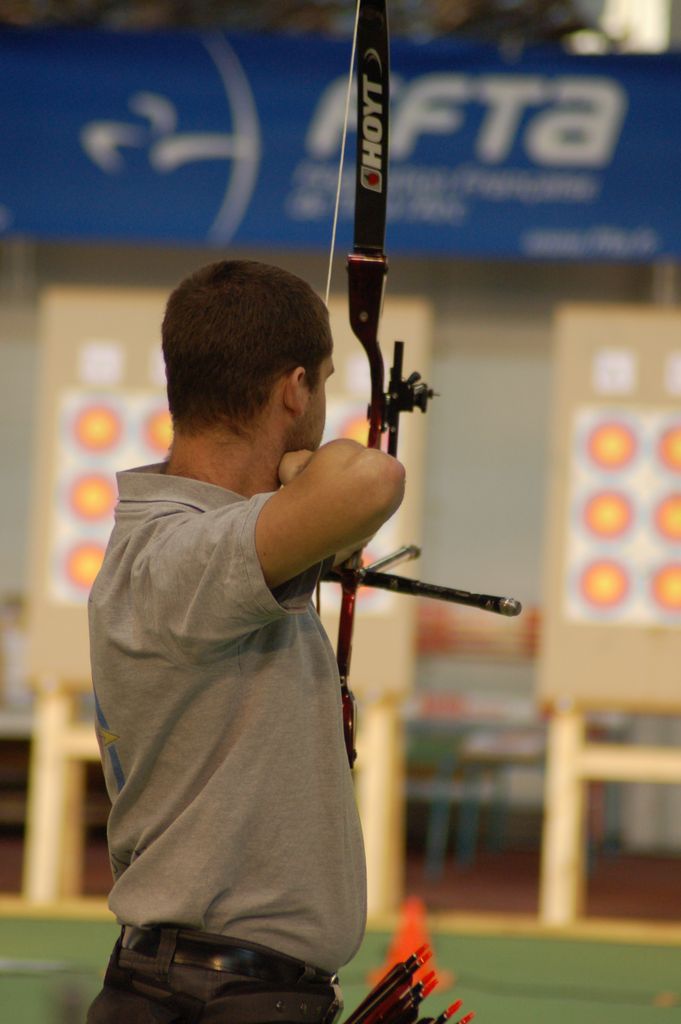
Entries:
{"x":99,"y":434}
{"x":623,"y":559}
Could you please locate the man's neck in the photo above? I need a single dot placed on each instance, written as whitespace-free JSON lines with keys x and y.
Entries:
{"x":244,"y":464}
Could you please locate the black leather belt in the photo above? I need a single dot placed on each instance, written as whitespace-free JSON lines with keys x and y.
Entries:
{"x":220,"y":953}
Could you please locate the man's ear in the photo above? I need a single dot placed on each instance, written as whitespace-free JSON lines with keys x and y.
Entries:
{"x":295,"y":391}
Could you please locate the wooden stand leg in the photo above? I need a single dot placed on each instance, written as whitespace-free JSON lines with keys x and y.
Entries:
{"x":72,"y":860}
{"x":46,"y":795}
{"x":380,"y":792}
{"x":562,"y":869}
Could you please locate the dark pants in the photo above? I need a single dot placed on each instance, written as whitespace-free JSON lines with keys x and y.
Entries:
{"x":143,"y":989}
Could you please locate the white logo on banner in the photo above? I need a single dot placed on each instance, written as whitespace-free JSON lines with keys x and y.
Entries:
{"x":168,"y":148}
{"x":567,"y":127}
{"x":561,"y":122}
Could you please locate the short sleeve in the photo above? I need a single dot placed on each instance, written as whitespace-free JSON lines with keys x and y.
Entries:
{"x":198,"y":582}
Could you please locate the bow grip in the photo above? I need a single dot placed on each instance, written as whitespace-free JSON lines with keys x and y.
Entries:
{"x":366,"y":280}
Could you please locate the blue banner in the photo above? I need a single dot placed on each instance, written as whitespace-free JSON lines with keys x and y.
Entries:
{"x":221,"y":139}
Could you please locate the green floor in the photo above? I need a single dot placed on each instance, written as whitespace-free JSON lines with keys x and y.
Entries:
{"x":49,"y":970}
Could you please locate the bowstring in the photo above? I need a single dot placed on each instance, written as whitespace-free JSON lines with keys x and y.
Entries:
{"x":344,"y":137}
{"x":336,"y":208}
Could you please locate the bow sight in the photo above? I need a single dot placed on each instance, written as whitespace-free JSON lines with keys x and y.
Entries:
{"x":403,"y":396}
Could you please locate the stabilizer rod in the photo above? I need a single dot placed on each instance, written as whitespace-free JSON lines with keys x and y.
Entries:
{"x":508,"y":606}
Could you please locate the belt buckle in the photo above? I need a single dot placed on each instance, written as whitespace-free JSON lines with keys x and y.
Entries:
{"x":335,"y":1006}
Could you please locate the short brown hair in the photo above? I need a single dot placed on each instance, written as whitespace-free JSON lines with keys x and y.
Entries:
{"x":230,"y":330}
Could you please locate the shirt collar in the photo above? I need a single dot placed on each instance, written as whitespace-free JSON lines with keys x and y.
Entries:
{"x":152,"y":483}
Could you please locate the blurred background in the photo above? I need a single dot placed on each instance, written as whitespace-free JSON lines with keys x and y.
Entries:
{"x":536,"y":161}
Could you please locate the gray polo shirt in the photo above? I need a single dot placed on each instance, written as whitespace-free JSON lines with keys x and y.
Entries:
{"x":219,"y":719}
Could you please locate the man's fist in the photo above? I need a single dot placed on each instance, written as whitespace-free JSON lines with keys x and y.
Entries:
{"x":292,"y":464}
